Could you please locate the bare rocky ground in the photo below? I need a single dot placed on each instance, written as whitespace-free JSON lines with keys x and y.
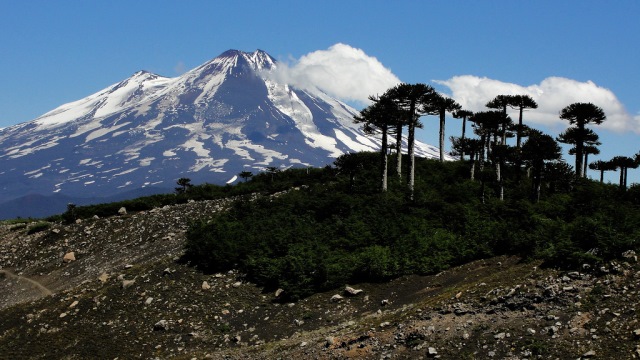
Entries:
{"x":126,"y":296}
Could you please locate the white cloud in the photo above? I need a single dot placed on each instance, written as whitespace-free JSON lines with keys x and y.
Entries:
{"x":341,"y":71}
{"x":552,"y":95}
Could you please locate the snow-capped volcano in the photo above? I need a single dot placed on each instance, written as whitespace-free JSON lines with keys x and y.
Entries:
{"x":223,"y":117}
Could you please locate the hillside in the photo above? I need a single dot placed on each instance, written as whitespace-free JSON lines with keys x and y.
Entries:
{"x":127,"y":295}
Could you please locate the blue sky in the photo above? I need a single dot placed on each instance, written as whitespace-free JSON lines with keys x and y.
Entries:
{"x":54,"y":52}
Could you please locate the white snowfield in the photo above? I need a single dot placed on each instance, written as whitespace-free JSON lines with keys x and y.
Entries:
{"x":223,"y":117}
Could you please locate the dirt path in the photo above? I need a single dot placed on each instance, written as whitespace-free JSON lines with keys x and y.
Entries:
{"x":43,"y":289}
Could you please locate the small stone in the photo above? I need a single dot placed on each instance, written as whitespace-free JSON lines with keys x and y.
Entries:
{"x":303,"y":344}
{"x":385,"y":324}
{"x":63,"y":315}
{"x":384,"y":302}
{"x":103,"y":277}
{"x":531,"y":331}
{"x":122,"y":211}
{"x":298,"y":322}
{"x":336,"y":298}
{"x":148,"y":301}
{"x":636,"y":333}
{"x":237,"y":284}
{"x":127,"y":283}
{"x":69,"y":257}
{"x":73,"y":304}
{"x":161,"y":325}
{"x":128,"y":266}
{"x":279,"y":292}
{"x":205,"y":286}
{"x":589,"y":353}
{"x":499,"y":336}
{"x":432,"y":351}
{"x":330,"y":340}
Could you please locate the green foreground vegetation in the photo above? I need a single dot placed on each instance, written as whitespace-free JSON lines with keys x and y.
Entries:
{"x":339,"y":228}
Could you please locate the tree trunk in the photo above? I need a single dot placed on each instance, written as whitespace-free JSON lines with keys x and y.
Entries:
{"x":399,"y":151}
{"x":384,"y":158}
{"x":464,"y":125}
{"x":499,"y":179}
{"x":621,"y":177}
{"x":601,"y":176}
{"x":519,"y":132}
{"x":586,"y":162}
{"x":442,"y":123}
{"x":412,"y":159}
{"x":473,"y":157}
{"x":580,"y":150}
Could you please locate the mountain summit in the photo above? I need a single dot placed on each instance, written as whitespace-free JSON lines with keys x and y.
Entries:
{"x":225,"y":116}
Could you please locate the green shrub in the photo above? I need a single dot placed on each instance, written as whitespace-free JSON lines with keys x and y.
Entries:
{"x":38,"y":227}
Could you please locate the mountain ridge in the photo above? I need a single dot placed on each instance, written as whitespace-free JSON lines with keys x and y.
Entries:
{"x":208,"y":124}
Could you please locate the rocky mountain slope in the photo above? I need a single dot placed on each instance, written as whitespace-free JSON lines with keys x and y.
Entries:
{"x":228,"y":115}
{"x":115,"y":288}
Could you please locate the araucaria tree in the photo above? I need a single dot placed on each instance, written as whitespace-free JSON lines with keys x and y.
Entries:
{"x":501,"y":102}
{"x":521,"y":102}
{"x":380,"y":117}
{"x":537,"y":150}
{"x":438,"y":104}
{"x":410,"y":98}
{"x":580,"y":115}
{"x":602,"y":166}
{"x":464,"y":115}
{"x":590,"y":143}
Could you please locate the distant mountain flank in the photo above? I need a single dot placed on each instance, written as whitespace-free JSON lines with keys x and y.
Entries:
{"x":225,"y":116}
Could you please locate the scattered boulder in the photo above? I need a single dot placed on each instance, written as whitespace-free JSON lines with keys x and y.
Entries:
{"x":205,"y":286}
{"x":336,"y":298}
{"x":69,"y":257}
{"x":351,"y":291}
{"x":122,"y":211}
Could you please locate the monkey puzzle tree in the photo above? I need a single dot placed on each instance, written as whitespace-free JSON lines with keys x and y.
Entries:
{"x":440,"y":105}
{"x":500,"y":103}
{"x":521,"y":102}
{"x":487,"y":124}
{"x":580,"y":115}
{"x":185,"y":185}
{"x":411,"y":98}
{"x":590,"y":141}
{"x":624,"y":163}
{"x":602,"y":166}
{"x":245,"y":175}
{"x":464,"y":115}
{"x":536,"y":151}
{"x":380,"y":117}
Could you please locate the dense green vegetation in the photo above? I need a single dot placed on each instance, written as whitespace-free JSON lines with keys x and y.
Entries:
{"x":341,"y":229}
